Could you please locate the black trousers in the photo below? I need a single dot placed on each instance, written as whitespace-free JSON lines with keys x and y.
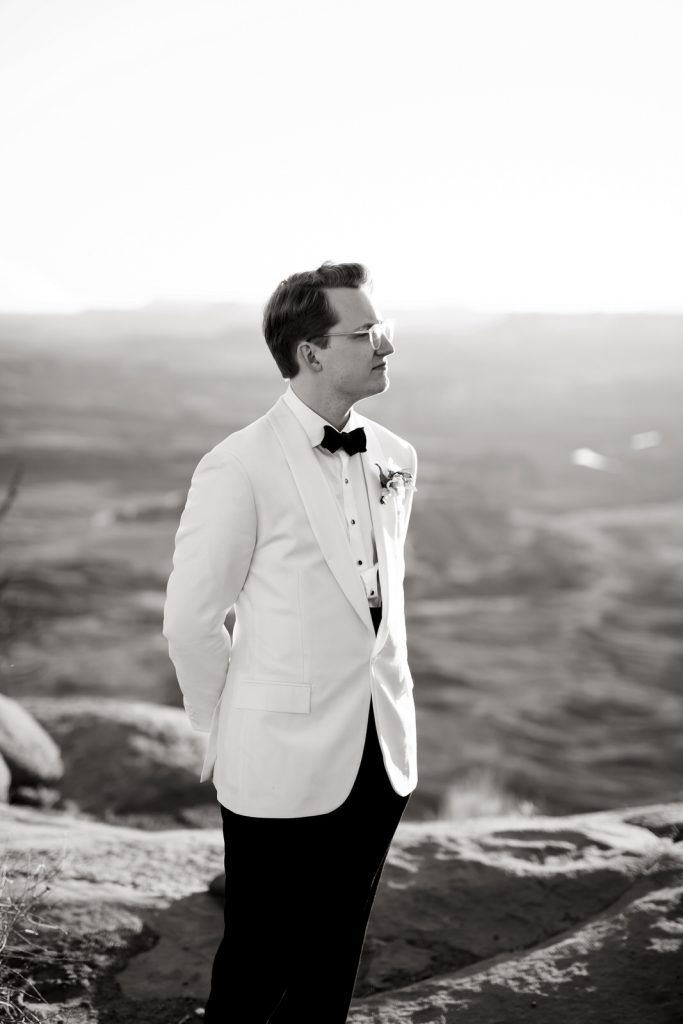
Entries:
{"x":298,"y":896}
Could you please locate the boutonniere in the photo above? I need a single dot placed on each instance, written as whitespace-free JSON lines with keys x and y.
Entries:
{"x":394,"y":481}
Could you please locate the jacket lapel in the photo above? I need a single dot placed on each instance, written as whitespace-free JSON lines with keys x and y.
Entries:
{"x":319,"y":505}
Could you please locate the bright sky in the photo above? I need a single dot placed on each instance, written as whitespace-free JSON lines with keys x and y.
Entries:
{"x":487,"y":154}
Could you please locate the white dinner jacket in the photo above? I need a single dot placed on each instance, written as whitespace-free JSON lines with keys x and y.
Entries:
{"x":285,"y":701}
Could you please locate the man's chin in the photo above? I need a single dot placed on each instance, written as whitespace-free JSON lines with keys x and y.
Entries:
{"x":381,"y":385}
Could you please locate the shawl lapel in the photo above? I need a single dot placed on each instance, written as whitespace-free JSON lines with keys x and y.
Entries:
{"x":324,"y":517}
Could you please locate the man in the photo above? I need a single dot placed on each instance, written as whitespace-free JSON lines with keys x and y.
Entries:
{"x":299,"y":521}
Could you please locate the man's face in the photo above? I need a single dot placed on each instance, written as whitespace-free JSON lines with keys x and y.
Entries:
{"x":352,"y":368}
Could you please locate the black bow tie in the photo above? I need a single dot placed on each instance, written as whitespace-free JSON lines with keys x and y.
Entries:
{"x":351,"y":441}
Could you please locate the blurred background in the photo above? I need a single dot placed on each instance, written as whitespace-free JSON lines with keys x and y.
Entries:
{"x":510,"y":175}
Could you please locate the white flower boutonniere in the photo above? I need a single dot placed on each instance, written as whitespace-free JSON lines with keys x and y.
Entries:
{"x":394,"y":481}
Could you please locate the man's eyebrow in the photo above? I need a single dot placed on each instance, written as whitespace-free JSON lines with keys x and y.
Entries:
{"x":370,"y":323}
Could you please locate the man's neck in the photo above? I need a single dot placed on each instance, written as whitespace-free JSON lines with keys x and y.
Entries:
{"x":333,"y":409}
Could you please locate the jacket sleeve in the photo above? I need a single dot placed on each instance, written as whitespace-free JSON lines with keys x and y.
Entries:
{"x":214,"y":544}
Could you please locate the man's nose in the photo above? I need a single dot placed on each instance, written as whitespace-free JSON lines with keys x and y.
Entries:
{"x":386,"y":348}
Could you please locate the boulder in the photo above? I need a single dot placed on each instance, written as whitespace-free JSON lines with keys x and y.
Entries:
{"x":129,"y":762}
{"x":30,"y":752}
{"x":5,"y":780}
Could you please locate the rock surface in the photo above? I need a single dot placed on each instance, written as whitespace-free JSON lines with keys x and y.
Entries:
{"x":5,"y":780}
{"x":490,"y":920}
{"x":129,"y":762}
{"x":32,"y":756}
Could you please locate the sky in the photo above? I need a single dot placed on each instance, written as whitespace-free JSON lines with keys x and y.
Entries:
{"x":495,"y":155}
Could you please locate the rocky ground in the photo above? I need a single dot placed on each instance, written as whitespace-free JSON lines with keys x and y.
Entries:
{"x":493,"y":919}
{"x":487,"y":921}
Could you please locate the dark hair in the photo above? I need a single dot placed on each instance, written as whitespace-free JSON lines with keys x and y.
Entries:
{"x":299,"y":309}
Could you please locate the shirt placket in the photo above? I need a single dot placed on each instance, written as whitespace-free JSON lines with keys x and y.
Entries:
{"x":366,"y":571}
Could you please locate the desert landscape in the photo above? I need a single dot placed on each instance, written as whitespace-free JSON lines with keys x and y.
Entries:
{"x":545,"y":564}
{"x":537,"y":869}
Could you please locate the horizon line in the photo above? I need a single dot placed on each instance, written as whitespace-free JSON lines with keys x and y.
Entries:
{"x":416,"y":308}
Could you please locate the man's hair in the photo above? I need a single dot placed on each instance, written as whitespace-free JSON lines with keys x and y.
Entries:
{"x":299,"y":310}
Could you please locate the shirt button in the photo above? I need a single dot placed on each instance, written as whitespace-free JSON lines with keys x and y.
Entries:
{"x":346,"y":479}
{"x":353,"y":522}
{"x":360,"y":561}
{"x":371,"y":593}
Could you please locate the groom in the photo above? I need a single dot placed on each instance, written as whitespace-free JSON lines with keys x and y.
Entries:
{"x":299,"y":521}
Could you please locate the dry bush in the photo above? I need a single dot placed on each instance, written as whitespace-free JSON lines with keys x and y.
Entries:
{"x":22,"y":935}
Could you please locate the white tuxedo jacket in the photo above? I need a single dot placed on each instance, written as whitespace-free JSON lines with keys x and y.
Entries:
{"x":286,"y":701}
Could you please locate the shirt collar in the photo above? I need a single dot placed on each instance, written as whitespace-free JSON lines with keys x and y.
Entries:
{"x":311,"y":421}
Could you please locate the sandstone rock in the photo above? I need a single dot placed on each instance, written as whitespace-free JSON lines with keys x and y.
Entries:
{"x":37,"y":796}
{"x":624,"y":966}
{"x":492,"y":921}
{"x":30,"y":752}
{"x":5,"y":780}
{"x":130,"y":762}
{"x":663,"y":820}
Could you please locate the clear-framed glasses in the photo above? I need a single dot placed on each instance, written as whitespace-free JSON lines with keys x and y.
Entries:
{"x":376,"y":333}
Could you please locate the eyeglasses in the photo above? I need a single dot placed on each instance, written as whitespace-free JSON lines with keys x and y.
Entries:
{"x":376,"y":333}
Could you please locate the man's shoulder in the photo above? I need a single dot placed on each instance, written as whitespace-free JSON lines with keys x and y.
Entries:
{"x":243,"y":444}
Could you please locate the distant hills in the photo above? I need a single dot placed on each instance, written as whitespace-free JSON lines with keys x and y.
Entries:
{"x":483,"y":345}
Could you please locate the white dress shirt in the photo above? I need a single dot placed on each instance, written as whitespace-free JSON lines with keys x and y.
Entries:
{"x":346,"y":480}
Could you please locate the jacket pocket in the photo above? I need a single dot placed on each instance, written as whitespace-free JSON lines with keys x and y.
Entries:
{"x":260,"y":695}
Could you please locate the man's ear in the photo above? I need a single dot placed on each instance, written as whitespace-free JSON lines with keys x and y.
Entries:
{"x":308,"y":356}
